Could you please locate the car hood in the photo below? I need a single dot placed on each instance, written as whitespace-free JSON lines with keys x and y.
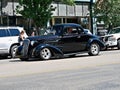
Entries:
{"x":43,"y":37}
{"x":108,"y":35}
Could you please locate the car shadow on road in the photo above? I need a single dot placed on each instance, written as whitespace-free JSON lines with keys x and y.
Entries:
{"x":38,"y":59}
{"x":18,"y":60}
{"x":4,"y":57}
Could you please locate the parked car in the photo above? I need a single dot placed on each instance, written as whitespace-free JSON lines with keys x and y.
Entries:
{"x":112,"y":39}
{"x":102,"y":33}
{"x":59,"y":43}
{"x":9,"y":40}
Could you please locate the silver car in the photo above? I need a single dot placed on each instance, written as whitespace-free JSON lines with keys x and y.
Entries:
{"x":113,"y":38}
{"x":9,"y":40}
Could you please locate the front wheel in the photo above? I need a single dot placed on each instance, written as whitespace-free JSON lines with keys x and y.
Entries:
{"x":94,"y":49}
{"x":45,"y":54}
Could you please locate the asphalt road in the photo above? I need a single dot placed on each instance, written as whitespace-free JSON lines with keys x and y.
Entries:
{"x":82,"y":72}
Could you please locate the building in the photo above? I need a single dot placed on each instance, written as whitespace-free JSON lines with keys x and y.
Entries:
{"x":80,"y":13}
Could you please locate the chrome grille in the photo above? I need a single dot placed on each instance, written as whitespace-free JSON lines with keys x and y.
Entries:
{"x":26,"y":43}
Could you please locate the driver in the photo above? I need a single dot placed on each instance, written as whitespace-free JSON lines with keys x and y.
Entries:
{"x":69,"y":30}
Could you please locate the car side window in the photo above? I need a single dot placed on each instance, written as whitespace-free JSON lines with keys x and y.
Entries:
{"x":58,"y":30}
{"x":80,"y":30}
{"x":14,"y":32}
{"x":118,"y":30}
{"x":70,"y":31}
{"x":74,"y":30}
{"x":3,"y":33}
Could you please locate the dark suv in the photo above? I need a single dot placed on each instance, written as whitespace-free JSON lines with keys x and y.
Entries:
{"x":58,"y":42}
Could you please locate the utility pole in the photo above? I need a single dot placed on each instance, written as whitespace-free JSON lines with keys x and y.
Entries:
{"x":13,"y":6}
{"x":91,"y":15}
{"x":1,"y":13}
{"x":1,"y":7}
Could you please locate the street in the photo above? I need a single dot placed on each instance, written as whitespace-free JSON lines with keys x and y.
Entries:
{"x":82,"y":72}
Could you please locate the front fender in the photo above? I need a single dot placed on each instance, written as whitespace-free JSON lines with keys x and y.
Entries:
{"x":54,"y":50}
{"x":96,"y":40}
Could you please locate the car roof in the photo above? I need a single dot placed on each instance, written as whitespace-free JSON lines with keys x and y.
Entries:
{"x":67,"y":24}
{"x":2,"y":27}
{"x":116,"y":27}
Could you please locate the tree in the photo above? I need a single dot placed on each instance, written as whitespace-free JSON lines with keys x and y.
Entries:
{"x":69,"y":2}
{"x":40,"y":11}
{"x":108,"y":11}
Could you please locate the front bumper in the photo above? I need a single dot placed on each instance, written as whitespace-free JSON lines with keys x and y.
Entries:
{"x":111,"y":43}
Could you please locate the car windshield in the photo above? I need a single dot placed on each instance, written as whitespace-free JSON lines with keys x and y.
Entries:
{"x":55,"y":30}
{"x":87,"y":31}
{"x":113,"y":31}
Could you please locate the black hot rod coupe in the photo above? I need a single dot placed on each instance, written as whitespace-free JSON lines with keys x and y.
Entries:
{"x":62,"y":39}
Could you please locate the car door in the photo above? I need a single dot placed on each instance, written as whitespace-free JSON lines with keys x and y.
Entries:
{"x":4,"y":41}
{"x":74,"y":42}
{"x":70,"y":41}
{"x":82,"y":39}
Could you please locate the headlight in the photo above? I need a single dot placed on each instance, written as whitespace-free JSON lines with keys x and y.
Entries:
{"x":112,"y":39}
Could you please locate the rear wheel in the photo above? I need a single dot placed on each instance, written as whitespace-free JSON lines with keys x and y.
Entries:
{"x":45,"y":54}
{"x":94,"y":49}
{"x":13,"y":50}
{"x":118,"y":44}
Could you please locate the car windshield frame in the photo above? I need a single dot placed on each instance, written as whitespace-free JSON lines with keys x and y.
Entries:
{"x":113,"y":31}
{"x":59,"y":30}
{"x":55,"y":30}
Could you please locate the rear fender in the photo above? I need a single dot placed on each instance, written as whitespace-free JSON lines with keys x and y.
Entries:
{"x":55,"y":51}
{"x":12,"y":46}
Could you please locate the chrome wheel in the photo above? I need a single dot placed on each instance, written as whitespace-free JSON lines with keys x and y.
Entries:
{"x":94,"y":49}
{"x":45,"y":53}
